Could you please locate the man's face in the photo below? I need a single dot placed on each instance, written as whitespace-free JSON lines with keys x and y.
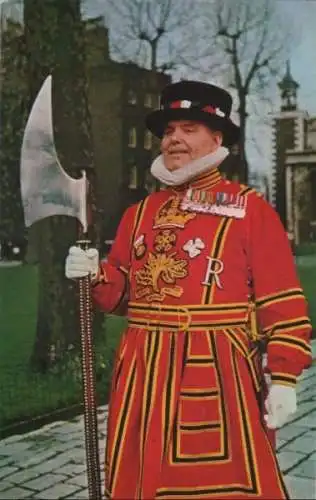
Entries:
{"x":186,"y":140}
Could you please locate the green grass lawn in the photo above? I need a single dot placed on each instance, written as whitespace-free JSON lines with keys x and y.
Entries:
{"x":24,"y":394}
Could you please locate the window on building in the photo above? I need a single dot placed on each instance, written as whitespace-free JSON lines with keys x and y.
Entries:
{"x":148,"y":140}
{"x":234,"y":150}
{"x":148,"y":100}
{"x":286,"y":134}
{"x":313,"y":195}
{"x":132,"y":137}
{"x":132,"y":97}
{"x":133,"y":177}
{"x":311,"y":134}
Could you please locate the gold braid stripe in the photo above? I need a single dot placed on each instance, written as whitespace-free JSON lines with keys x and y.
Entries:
{"x":302,"y":322}
{"x":122,"y":424}
{"x":198,"y":308}
{"x":290,"y":341}
{"x":216,"y":252}
{"x":283,"y":378}
{"x":291,"y":294}
{"x":138,"y":217}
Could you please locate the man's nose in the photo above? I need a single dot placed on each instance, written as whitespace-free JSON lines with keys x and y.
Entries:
{"x":175,"y":136}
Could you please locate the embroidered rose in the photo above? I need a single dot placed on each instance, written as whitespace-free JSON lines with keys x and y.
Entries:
{"x":165,"y":240}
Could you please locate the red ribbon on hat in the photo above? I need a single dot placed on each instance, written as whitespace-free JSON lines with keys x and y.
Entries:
{"x":209,"y":109}
{"x":179,"y":104}
{"x":175,"y":104}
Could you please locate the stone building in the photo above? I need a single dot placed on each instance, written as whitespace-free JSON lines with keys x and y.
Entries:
{"x":293,"y":192}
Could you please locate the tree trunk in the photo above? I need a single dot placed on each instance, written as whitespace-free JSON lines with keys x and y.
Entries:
{"x":54,"y":44}
{"x":154,"y":53}
{"x":244,"y":174}
{"x":12,"y":118}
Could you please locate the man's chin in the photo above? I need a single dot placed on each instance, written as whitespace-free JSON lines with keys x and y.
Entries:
{"x":173,"y":168}
{"x":175,"y":162}
{"x":174,"y":165}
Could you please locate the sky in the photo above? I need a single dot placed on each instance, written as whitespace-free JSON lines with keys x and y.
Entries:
{"x":301,"y":17}
{"x":303,"y":52}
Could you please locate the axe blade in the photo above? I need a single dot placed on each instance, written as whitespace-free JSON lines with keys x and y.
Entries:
{"x":46,"y":189}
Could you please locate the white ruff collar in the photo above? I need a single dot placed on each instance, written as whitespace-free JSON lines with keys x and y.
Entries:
{"x":189,"y":171}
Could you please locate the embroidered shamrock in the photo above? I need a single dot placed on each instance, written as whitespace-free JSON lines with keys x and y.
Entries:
{"x":193,"y":247}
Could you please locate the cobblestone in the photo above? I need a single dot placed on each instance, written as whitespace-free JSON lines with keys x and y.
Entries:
{"x":61,"y":490}
{"x":15,"y":493}
{"x":45,"y":480}
{"x":6,"y":471}
{"x":307,"y":469}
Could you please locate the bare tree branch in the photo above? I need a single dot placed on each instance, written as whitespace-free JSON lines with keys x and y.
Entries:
{"x":152,"y":23}
{"x":253,"y":44}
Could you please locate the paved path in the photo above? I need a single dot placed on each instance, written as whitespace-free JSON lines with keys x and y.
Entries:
{"x":49,"y":463}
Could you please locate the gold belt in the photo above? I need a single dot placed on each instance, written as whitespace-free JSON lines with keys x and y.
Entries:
{"x":187,"y":317}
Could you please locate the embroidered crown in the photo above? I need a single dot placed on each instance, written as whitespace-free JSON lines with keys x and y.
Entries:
{"x":170,"y":214}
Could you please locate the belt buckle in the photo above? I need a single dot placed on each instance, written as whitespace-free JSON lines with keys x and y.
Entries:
{"x":184,"y":311}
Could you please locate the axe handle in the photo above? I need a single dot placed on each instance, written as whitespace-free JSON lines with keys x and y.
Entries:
{"x":89,"y":390}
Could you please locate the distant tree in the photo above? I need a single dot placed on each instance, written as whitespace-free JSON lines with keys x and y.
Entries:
{"x":240,"y":43}
{"x":249,"y":49}
{"x":13,"y":90}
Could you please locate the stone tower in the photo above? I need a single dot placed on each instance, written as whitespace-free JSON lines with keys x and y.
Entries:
{"x":287,"y":134}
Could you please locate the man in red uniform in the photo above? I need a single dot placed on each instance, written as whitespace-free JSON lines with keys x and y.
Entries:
{"x":185,"y":418}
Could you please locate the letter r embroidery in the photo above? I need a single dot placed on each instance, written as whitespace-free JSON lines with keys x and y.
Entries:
{"x":214,"y":268}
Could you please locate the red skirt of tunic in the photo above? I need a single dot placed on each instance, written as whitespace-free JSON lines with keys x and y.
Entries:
{"x":184,"y":419}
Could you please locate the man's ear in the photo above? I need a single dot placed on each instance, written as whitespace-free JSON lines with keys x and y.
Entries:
{"x":218,"y":137}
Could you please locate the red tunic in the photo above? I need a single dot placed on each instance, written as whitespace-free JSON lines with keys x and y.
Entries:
{"x":185,"y":415}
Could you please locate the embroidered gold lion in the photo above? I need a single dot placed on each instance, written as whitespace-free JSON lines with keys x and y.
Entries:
{"x":159,"y":270}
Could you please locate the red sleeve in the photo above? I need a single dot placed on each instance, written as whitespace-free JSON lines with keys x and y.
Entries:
{"x":110,"y":293}
{"x":280,"y":303}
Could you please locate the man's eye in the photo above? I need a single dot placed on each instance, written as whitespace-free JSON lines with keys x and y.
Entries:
{"x":168,"y":131}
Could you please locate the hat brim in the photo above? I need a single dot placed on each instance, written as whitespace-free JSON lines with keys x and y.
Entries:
{"x":157,"y":121}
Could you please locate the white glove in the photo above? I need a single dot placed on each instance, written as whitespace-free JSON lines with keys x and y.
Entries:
{"x":80,"y":263}
{"x":280,"y":404}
